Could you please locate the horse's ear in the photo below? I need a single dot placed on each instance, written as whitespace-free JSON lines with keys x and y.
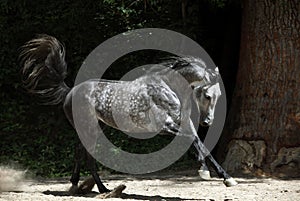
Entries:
{"x":217,"y":70}
{"x":216,"y":74}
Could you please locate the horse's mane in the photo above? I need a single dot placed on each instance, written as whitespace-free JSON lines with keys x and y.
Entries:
{"x":178,"y":63}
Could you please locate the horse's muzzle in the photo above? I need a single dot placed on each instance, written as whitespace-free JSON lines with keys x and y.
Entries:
{"x":206,"y":122}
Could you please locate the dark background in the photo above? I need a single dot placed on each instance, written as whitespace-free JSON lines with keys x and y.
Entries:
{"x":39,"y":137}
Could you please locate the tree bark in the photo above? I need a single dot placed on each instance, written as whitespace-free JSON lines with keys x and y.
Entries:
{"x":264,"y":120}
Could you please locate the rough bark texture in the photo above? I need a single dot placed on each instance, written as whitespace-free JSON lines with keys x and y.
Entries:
{"x":264,"y":121}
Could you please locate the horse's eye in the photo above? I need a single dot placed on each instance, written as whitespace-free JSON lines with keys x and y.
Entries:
{"x":207,"y":96}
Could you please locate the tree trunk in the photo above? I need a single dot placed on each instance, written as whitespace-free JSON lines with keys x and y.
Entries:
{"x":264,"y":120}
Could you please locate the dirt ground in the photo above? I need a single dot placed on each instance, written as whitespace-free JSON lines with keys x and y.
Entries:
{"x":178,"y":186}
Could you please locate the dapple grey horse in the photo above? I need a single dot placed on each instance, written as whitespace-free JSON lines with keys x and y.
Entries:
{"x":150,"y":101}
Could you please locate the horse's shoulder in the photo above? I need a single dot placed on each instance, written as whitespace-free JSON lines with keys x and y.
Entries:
{"x":163,"y":96}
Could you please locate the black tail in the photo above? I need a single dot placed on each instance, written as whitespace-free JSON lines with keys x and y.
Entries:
{"x":44,"y":69}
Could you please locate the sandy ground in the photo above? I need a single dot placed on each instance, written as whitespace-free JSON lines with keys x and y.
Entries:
{"x":179,"y":186}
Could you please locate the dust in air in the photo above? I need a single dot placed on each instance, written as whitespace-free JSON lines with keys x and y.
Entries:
{"x":11,"y":179}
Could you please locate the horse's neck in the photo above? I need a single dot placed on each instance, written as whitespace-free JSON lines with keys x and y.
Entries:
{"x":193,"y":74}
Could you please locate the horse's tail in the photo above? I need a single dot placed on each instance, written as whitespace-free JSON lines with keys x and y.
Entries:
{"x":44,"y":69}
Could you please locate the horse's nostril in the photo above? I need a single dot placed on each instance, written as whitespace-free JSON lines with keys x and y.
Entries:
{"x":205,"y":123}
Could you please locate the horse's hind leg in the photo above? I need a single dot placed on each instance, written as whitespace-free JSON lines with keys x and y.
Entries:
{"x":78,"y":157}
{"x":91,"y":163}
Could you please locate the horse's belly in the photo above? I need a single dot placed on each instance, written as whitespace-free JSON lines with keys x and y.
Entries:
{"x":132,"y":120}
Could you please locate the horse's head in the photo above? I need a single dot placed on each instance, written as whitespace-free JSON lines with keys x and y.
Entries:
{"x":206,"y":97}
{"x":204,"y":82}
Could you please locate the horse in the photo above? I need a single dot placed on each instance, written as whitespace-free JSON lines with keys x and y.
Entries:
{"x":153,"y":106}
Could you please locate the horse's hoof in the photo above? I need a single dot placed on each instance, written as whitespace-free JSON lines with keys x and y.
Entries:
{"x":73,"y":190}
{"x":204,"y":174}
{"x":86,"y":186}
{"x":230,"y":182}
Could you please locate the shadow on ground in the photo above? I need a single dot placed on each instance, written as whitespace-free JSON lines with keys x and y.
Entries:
{"x":123,"y":196}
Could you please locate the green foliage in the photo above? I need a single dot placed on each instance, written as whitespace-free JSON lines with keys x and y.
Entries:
{"x":219,"y":3}
{"x":42,"y":154}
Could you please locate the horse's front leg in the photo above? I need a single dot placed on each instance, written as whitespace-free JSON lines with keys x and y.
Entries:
{"x":203,"y":171}
{"x":228,"y":180}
